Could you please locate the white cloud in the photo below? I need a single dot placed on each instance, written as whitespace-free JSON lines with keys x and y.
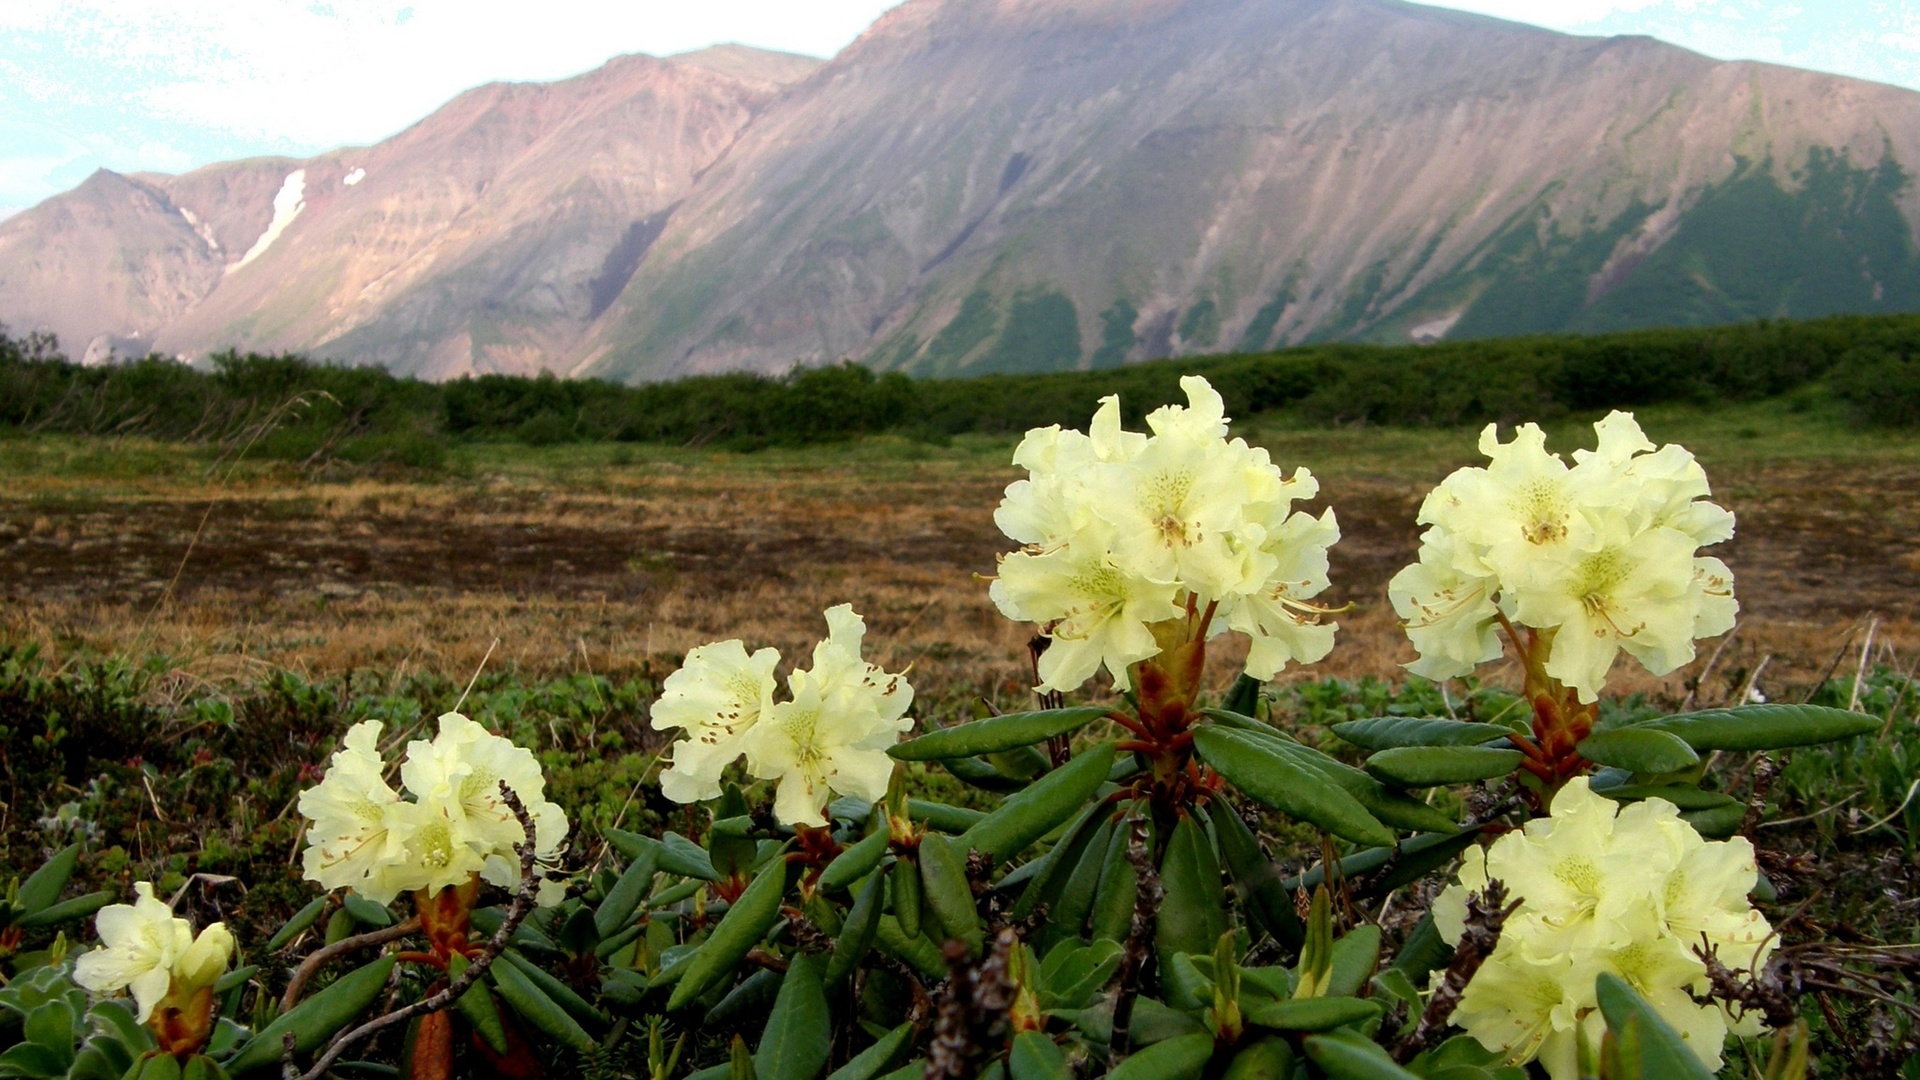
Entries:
{"x":256,"y":68}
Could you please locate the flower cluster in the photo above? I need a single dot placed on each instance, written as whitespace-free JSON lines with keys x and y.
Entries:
{"x":1598,"y":558}
{"x":1125,"y":530}
{"x":152,"y":953}
{"x":1631,"y":891}
{"x":364,"y":836}
{"x":831,"y":735}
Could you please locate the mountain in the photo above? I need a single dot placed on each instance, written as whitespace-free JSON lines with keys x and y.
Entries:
{"x":484,"y":238}
{"x":986,"y":185}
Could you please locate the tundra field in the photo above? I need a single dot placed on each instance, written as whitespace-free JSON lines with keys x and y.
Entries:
{"x":611,"y":558}
{"x":193,"y":629}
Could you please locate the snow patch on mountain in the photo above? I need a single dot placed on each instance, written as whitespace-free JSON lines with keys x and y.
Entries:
{"x":286,"y":206}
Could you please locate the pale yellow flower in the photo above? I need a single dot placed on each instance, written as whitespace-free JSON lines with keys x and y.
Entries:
{"x":151,"y":953}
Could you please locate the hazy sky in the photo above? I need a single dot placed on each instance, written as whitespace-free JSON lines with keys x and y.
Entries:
{"x":167,"y":85}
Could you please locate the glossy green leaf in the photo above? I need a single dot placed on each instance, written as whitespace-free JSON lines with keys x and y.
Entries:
{"x":679,"y":855}
{"x":1075,"y":903}
{"x":366,"y":912}
{"x":856,"y":860}
{"x":1184,"y":1058}
{"x":1036,"y":1057}
{"x":1416,"y":857}
{"x":1243,"y":697}
{"x":628,"y":891}
{"x":1718,"y":822}
{"x":1763,"y":727}
{"x":1428,"y":766}
{"x":947,"y":819}
{"x":747,"y":1003}
{"x":1270,"y":1058}
{"x":1254,"y":876}
{"x":1028,"y":815}
{"x":1279,"y":781}
{"x":996,"y":733}
{"x":1355,"y":958}
{"x":1393,"y":808}
{"x":1047,"y":875}
{"x":1388,"y":732}
{"x":301,"y":921}
{"x":1639,"y":750}
{"x":476,"y":1005}
{"x":45,"y":885}
{"x":66,"y":910}
{"x":1153,"y":1022}
{"x":980,"y":773}
{"x":1652,"y":1045}
{"x":316,"y":1019}
{"x":1312,"y":1014}
{"x":568,"y":998}
{"x":857,"y":929}
{"x":537,"y":1008}
{"x":917,"y":951}
{"x":1684,"y":796}
{"x":1118,"y":895}
{"x":50,"y":1024}
{"x":1423,"y":951}
{"x":876,"y":1059}
{"x":1355,"y":1058}
{"x":947,"y":892}
{"x":907,"y":888}
{"x":799,"y":1031}
{"x":740,"y":929}
{"x":1193,"y":911}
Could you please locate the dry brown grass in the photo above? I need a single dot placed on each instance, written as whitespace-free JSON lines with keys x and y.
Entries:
{"x":613,"y":560}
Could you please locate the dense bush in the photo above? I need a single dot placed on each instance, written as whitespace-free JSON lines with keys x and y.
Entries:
{"x":293,"y":409}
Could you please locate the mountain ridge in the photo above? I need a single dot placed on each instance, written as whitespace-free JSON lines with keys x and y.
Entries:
{"x":979,"y":185}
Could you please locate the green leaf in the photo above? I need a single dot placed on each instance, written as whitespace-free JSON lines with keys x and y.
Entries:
{"x":996,"y":733}
{"x":366,"y":912}
{"x":857,"y":859}
{"x":1718,"y":822}
{"x":740,"y":929}
{"x":1270,"y":1058}
{"x":115,"y":1019}
{"x":316,"y":1019}
{"x":236,"y":977}
{"x":476,"y":1005}
{"x":1684,"y":796}
{"x":799,"y":1032}
{"x":1028,"y":815}
{"x":982,"y":774}
{"x":66,"y":910}
{"x":1075,"y":970}
{"x":560,"y":992}
{"x":1353,"y":1058}
{"x":1393,"y":808}
{"x":947,"y":819}
{"x":679,"y":855}
{"x":624,"y":898}
{"x":1415,"y":858}
{"x":1423,"y":951}
{"x":908,"y":903}
{"x":857,"y":930}
{"x":1638,"y":749}
{"x":1388,"y":732}
{"x":45,"y":885}
{"x":33,"y":1060}
{"x":630,"y":845}
{"x":51,"y":1025}
{"x":1312,"y":1014}
{"x":1243,"y":697}
{"x":1193,"y":913}
{"x":1254,"y":876}
{"x":1651,"y":1044}
{"x":1183,"y":1058}
{"x":537,"y":1008}
{"x":1153,"y":1022}
{"x":874,"y":1060}
{"x":1428,"y":766}
{"x":922,"y":954}
{"x":1047,"y":875}
{"x":747,"y":1003}
{"x":1277,"y":780}
{"x":1069,"y":912}
{"x":1355,"y":958}
{"x":948,"y":893}
{"x":301,"y":921}
{"x":1118,"y":895}
{"x":1763,"y":727}
{"x":1036,"y":1057}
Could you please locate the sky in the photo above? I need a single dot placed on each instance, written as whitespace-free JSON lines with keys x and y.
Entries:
{"x":169,"y":85}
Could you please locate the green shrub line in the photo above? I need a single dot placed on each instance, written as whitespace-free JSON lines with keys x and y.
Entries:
{"x":292,"y":408}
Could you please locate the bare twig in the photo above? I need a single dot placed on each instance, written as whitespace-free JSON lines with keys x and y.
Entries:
{"x":497,"y":944}
{"x":1487,"y":912}
{"x":314,"y":963}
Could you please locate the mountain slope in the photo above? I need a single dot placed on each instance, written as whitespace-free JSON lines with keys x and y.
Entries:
{"x":991,"y":184}
{"x":484,"y":238}
{"x":985,"y":185}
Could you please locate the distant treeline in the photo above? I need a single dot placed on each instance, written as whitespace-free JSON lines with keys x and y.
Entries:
{"x":288,"y":407}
